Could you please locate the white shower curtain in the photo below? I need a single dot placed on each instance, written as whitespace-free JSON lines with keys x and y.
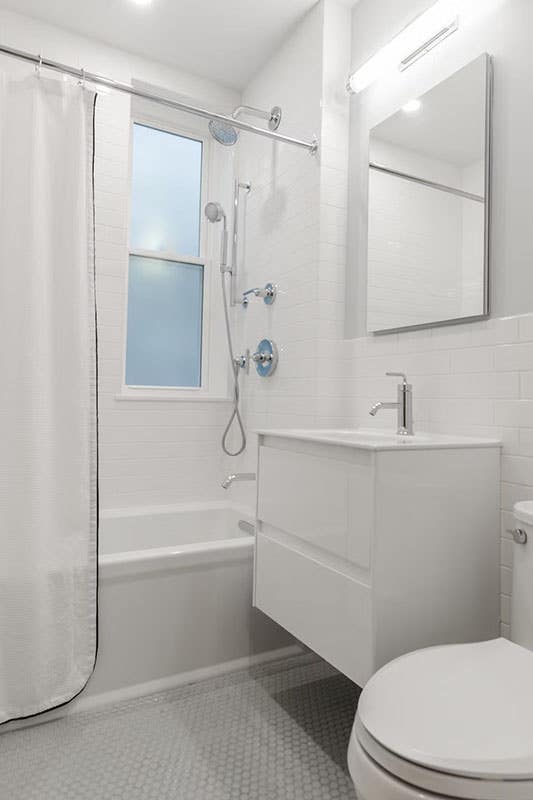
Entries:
{"x":48,"y":412}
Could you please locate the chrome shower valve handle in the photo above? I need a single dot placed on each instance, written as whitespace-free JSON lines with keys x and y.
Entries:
{"x":262,"y":358}
{"x":266,"y":358}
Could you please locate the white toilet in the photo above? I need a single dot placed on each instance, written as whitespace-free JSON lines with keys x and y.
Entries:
{"x":454,"y":721}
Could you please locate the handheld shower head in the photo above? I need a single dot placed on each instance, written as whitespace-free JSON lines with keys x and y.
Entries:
{"x":215,"y":213}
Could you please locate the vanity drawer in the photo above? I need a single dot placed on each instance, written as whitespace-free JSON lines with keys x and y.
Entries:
{"x":325,"y":501}
{"x":321,"y":606}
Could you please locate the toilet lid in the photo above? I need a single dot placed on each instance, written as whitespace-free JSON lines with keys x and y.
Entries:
{"x":461,"y":709}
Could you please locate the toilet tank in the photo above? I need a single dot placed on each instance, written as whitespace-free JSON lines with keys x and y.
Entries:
{"x":522,"y":593}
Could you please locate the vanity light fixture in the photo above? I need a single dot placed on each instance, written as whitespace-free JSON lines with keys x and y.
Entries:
{"x":416,"y":40}
{"x":412,"y":106}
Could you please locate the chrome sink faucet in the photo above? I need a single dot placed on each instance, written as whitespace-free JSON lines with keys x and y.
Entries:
{"x":404,"y":405}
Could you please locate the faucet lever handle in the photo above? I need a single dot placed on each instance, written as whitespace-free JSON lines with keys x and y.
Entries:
{"x":397,"y":375}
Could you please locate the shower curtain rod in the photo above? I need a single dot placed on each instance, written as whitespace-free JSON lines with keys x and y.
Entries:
{"x":125,"y":88}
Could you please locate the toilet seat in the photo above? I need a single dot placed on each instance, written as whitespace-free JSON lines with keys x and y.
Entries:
{"x":437,"y":784}
{"x":454,"y":720}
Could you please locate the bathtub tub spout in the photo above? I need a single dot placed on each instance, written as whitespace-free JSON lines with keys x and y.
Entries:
{"x":239,"y":476}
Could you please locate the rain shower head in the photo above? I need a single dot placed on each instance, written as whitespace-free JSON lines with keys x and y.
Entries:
{"x":223,"y":132}
{"x":226,"y":134}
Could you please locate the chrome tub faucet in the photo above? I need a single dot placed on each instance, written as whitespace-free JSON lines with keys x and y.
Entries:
{"x":238,"y":476}
{"x":404,"y":405}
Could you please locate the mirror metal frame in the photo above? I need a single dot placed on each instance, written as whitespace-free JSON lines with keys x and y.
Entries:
{"x":489,"y":92}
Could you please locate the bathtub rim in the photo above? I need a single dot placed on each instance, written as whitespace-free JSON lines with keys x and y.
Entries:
{"x":172,"y":559}
{"x":176,"y":508}
{"x":125,"y":563}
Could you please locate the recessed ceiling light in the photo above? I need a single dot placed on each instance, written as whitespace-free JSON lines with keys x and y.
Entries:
{"x":412,"y":106}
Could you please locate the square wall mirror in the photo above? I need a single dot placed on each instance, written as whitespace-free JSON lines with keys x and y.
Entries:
{"x":429,"y":206}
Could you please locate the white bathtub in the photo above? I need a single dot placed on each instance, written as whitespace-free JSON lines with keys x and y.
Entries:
{"x":175,"y":599}
{"x":135,"y":542}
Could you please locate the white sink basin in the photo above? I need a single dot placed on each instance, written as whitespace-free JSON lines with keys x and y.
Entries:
{"x":370,"y":439}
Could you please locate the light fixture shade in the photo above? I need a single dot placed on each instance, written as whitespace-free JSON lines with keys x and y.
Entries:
{"x":425,"y":32}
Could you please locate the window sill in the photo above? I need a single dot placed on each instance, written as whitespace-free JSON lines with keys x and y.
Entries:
{"x":156,"y":397}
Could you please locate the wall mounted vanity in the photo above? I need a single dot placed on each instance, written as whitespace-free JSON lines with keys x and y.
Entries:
{"x":370,"y":545}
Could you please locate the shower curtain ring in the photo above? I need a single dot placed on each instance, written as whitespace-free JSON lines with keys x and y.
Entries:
{"x":38,"y":67}
{"x":82,"y":79}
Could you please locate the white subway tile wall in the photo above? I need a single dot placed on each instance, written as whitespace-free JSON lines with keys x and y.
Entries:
{"x":151,"y":453}
{"x":295,"y":234}
{"x":473,"y":379}
{"x":468,"y":379}
{"x":461,"y":385}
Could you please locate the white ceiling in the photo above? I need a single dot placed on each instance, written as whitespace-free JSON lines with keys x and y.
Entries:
{"x":225,"y":40}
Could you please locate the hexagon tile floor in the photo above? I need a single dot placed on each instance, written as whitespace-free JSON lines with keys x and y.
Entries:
{"x":275,"y":732}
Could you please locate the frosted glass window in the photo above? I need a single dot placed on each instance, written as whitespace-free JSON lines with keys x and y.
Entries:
{"x":164,"y":346}
{"x":165,"y":192}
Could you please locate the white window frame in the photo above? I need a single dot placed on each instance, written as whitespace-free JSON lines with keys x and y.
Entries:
{"x":205,"y":390}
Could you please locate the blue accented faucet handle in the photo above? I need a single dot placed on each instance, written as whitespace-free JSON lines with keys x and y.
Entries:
{"x":266,"y":358}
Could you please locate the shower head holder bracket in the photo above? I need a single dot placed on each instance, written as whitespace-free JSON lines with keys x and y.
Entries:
{"x":243,"y":361}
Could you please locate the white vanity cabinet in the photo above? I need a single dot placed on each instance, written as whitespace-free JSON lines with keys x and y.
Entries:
{"x":369,"y":546}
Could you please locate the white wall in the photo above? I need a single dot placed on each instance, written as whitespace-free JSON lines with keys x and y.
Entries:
{"x":281,"y":241}
{"x":501,"y":28}
{"x":295,"y":224}
{"x":166,"y":452}
{"x":474,"y":378}
{"x":150,"y":452}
